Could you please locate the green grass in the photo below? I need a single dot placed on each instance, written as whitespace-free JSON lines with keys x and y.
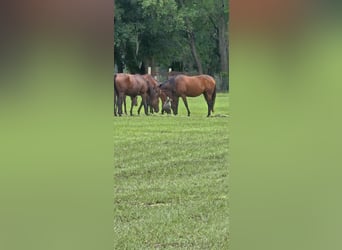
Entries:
{"x":171,"y":179}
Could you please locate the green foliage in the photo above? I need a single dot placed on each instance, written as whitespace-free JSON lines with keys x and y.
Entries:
{"x":158,"y":29}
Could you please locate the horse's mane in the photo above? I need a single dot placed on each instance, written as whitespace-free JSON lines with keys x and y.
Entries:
{"x":172,"y":80}
{"x":163,"y":83}
{"x":176,"y":73}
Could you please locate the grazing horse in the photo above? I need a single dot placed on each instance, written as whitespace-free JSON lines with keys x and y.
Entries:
{"x":153,"y":106}
{"x":192,"y":86}
{"x":133,"y":85}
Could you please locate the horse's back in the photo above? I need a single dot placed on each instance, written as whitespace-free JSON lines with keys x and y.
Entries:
{"x":139,"y":80}
{"x":121,"y":79}
{"x":194,"y":85}
{"x":151,"y":80}
{"x":208,"y":80}
{"x":131,"y":84}
{"x":208,"y":77}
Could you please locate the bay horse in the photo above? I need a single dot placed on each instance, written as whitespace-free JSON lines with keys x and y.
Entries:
{"x":133,"y":85}
{"x":191,"y":86}
{"x":134,"y":102}
{"x":153,"y":106}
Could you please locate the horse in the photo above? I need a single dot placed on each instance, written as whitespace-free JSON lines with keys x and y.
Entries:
{"x":133,"y":85}
{"x":191,"y":86}
{"x":155,"y":85}
{"x":134,"y":102}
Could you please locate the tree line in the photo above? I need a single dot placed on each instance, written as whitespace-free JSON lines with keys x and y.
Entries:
{"x":184,"y":35}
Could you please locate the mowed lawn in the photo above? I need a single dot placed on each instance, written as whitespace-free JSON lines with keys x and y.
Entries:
{"x":171,"y":187}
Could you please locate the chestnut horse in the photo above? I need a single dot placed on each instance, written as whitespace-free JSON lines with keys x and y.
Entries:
{"x":133,"y":85}
{"x":134,"y":102}
{"x":192,"y":86}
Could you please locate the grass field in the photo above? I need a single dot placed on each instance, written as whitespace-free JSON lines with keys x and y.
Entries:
{"x":171,"y":179}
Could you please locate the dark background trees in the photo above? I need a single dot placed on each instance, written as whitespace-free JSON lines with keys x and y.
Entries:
{"x":184,"y":35}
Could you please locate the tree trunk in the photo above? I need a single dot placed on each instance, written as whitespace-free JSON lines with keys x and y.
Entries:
{"x":191,"y":37}
{"x":223,"y":48}
{"x":118,"y":61}
{"x":194,"y":53}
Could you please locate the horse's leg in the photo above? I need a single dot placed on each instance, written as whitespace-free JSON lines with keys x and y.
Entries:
{"x":144,"y":100}
{"x":115,"y":103}
{"x":186,"y":104}
{"x":132,"y":104}
{"x":149,"y":106}
{"x":124,"y":101}
{"x":162,"y":102}
{"x":141,"y":104}
{"x":175,"y":101}
{"x":209,"y":102}
{"x":120,"y":99}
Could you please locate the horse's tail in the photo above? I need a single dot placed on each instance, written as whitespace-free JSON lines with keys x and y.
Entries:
{"x":115,"y":90}
{"x":213,"y":99}
{"x":115,"y":95}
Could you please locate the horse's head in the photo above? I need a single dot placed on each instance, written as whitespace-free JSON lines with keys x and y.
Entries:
{"x":154,"y":99}
{"x":167,"y":90}
{"x":162,"y":96}
{"x":174,"y":107}
{"x":168,"y":97}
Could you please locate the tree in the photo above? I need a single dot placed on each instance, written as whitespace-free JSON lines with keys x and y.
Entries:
{"x":129,"y":25}
{"x":217,"y":13}
{"x":188,"y":34}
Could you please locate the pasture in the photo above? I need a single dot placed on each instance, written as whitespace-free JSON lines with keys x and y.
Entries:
{"x":171,"y":178}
